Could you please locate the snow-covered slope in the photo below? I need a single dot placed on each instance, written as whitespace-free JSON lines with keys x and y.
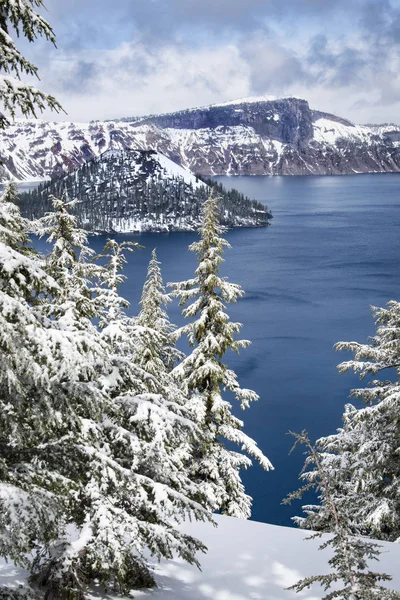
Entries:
{"x":255,"y":136}
{"x":172,"y":169}
{"x":147,"y":164}
{"x":245,"y":561}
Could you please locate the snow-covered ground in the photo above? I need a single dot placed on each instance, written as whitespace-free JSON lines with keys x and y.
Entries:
{"x":245,"y":561}
{"x":328,"y":132}
{"x":172,"y":169}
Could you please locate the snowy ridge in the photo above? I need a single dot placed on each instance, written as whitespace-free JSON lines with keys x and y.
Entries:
{"x":253,"y":100}
{"x":172,"y":169}
{"x":245,"y":561}
{"x":329,"y":132}
{"x":250,"y":99}
{"x":252,"y":136}
{"x":162,"y":165}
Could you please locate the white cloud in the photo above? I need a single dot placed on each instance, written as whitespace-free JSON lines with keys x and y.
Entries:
{"x":130,"y":80}
{"x":133,"y":79}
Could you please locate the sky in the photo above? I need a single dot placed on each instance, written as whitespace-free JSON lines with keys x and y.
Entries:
{"x":121,"y":58}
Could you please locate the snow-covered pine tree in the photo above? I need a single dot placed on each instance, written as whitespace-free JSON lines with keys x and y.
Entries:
{"x":137,"y":490}
{"x":215,"y":467}
{"x":61,"y":569}
{"x":156,"y":351}
{"x":17,"y":16}
{"x":364,"y":455}
{"x":12,"y":226}
{"x":156,"y":354}
{"x":111,"y":305}
{"x":38,"y":424}
{"x":349,"y":563}
{"x":22,"y":377}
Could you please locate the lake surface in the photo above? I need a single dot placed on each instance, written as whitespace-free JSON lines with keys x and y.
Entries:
{"x":332,"y":251}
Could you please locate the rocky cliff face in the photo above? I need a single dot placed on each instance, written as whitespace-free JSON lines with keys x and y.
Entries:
{"x":261,"y":137}
{"x":288,"y":121}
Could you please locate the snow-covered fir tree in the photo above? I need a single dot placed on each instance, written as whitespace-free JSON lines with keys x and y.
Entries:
{"x":121,"y":447}
{"x":111,"y":305}
{"x":349,"y":575}
{"x":13,"y":228}
{"x":139,"y":490}
{"x":214,"y":466}
{"x":157,"y":352}
{"x":364,"y":455}
{"x":41,"y":361}
{"x":18,"y":16}
{"x":62,"y":569}
{"x":24,"y":375}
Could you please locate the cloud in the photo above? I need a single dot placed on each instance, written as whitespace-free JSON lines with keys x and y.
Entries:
{"x":272,"y":68}
{"x":337,"y":64}
{"x":129,"y":81}
{"x":151,"y":56}
{"x":81,"y":78}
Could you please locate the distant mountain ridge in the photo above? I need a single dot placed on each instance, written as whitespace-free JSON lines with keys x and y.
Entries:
{"x":140,"y":190}
{"x":244,"y":137}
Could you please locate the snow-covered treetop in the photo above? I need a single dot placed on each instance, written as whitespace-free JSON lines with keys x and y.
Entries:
{"x":12,"y":225}
{"x":154,"y":296}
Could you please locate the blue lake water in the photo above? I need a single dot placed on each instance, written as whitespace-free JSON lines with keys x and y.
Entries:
{"x":332,"y":251}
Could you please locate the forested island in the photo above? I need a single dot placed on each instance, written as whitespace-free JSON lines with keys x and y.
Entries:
{"x":135,"y":190}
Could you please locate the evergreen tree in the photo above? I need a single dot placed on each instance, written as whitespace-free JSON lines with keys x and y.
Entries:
{"x":12,"y":226}
{"x":138,"y":489}
{"x":17,"y":16}
{"x":349,"y":562}
{"x":64,"y":569}
{"x":156,"y":351}
{"x":364,"y":454}
{"x":41,"y":361}
{"x":131,"y":488}
{"x":215,"y":467}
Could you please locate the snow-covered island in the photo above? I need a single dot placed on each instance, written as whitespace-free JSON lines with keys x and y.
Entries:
{"x":135,"y":190}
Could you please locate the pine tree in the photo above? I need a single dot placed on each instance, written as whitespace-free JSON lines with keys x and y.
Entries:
{"x":62,"y":568}
{"x":364,"y":454}
{"x":349,"y":562}
{"x":24,"y":373}
{"x":132,"y":488}
{"x":17,"y":16}
{"x":111,"y":305}
{"x":137,"y":489}
{"x":157,"y":352}
{"x":12,"y":226}
{"x":41,"y":360}
{"x":214,"y":466}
